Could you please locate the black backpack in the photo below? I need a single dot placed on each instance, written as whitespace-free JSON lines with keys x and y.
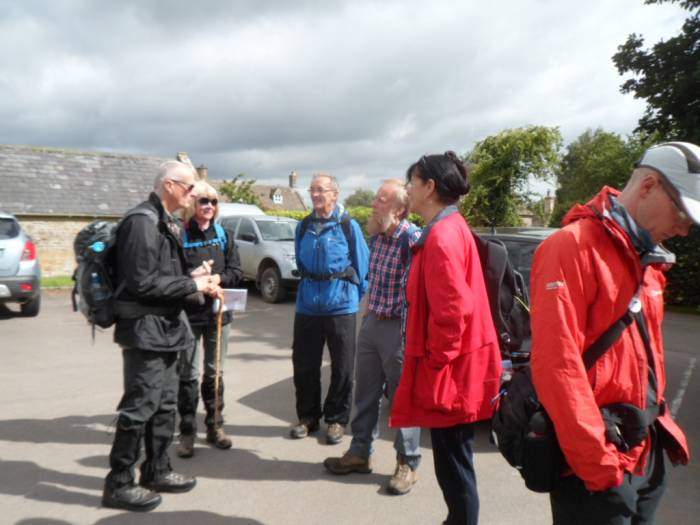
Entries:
{"x":508,"y":299}
{"x":524,"y":433}
{"x":93,"y":290}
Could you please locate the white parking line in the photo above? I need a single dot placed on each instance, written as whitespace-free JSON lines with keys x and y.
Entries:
{"x":676,"y":404}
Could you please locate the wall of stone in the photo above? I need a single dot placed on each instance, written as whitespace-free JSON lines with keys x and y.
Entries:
{"x":54,"y":237}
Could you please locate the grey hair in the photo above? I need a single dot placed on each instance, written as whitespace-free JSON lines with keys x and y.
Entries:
{"x":170,"y":170}
{"x":401,"y":194}
{"x":322,"y":174}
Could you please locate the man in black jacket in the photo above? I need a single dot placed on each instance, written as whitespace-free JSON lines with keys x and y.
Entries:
{"x":151,"y":329}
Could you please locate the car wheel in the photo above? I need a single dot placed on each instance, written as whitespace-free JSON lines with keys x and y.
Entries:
{"x":271,"y":288}
{"x":31,"y":308}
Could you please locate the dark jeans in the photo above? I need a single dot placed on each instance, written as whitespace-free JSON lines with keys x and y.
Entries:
{"x":189,"y":370}
{"x":310,"y":334}
{"x":146,"y":411}
{"x":454,"y":469}
{"x":632,"y":503}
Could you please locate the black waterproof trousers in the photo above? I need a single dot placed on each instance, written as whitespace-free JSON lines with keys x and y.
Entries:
{"x":146,"y":411}
{"x":311,"y":332}
{"x":634,"y":502}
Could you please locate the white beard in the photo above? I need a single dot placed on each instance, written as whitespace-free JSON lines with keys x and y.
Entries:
{"x":378,"y":225}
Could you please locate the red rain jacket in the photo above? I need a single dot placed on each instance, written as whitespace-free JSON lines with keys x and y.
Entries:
{"x":583,"y":278}
{"x":452,"y":364}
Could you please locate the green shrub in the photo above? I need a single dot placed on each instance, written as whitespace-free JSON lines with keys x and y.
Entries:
{"x":684,"y":277}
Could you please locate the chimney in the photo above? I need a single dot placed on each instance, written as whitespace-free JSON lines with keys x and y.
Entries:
{"x":549,"y":204}
{"x":293,"y":178}
{"x":203,"y":172}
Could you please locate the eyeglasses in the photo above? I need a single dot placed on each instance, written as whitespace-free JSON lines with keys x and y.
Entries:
{"x":188,"y":187}
{"x":203,"y":201}
{"x":314,"y":191}
{"x":682,"y":215}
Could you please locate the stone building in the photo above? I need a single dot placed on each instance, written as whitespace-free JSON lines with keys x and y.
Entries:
{"x":54,"y":193}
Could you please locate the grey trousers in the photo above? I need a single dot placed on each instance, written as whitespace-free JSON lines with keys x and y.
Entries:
{"x":379,"y":364}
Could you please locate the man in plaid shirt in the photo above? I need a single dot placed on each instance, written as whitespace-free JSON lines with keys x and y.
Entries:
{"x":380,"y":342}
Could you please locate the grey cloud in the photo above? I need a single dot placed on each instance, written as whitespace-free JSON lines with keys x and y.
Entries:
{"x":358,"y":88}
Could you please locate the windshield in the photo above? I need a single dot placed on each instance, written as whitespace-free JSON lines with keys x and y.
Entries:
{"x":8,"y":228}
{"x":276,"y":230}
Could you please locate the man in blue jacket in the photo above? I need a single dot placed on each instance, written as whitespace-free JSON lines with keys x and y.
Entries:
{"x":333,"y":259}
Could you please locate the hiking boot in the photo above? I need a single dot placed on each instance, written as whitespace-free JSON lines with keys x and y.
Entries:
{"x":185,"y":448}
{"x":348,"y":463}
{"x":334,"y":433}
{"x":170,"y":482}
{"x":403,"y":479}
{"x":218,"y":438}
{"x":130,"y":497}
{"x":303,"y":428}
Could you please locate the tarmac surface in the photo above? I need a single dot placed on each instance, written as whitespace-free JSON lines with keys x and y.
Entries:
{"x":59,"y":392}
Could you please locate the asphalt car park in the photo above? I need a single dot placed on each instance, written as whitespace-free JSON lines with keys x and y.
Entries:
{"x":60,"y":391}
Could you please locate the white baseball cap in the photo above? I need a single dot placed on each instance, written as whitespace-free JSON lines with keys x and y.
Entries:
{"x":679,"y":163}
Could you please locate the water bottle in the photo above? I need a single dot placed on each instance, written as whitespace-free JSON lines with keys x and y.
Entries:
{"x":97,"y":290}
{"x":506,"y":370}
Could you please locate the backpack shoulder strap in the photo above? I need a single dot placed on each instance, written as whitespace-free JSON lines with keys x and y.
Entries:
{"x":304,"y":226}
{"x":221,"y":235}
{"x":347,"y":231}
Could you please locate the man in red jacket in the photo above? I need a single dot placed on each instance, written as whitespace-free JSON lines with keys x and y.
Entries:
{"x":584,"y":279}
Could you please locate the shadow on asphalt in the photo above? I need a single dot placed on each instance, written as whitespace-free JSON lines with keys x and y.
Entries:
{"x":26,"y":478}
{"x":76,"y":430}
{"x":277,"y":400}
{"x":193,"y":517}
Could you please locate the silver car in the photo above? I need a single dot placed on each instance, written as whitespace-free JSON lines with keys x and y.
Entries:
{"x":266,"y":248}
{"x":20,"y":274}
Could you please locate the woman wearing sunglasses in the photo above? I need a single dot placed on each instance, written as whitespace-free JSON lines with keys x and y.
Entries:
{"x":452,"y":364}
{"x":207,"y":242}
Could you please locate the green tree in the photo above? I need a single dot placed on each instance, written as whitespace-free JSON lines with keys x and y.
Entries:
{"x":240,"y":190}
{"x":667,"y":77}
{"x":360,"y":198}
{"x":501,"y":168}
{"x":595,"y":159}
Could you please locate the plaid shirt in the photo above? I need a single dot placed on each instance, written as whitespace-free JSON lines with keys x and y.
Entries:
{"x":387,"y":269}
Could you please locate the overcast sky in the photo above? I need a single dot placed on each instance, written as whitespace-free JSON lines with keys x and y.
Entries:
{"x":360,"y":89}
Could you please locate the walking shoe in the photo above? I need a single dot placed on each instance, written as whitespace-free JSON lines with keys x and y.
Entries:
{"x":334,"y":433}
{"x":130,"y":497}
{"x":170,"y":482}
{"x":185,"y":447}
{"x":403,"y":479}
{"x":348,"y":463}
{"x":303,"y":428}
{"x":218,"y":438}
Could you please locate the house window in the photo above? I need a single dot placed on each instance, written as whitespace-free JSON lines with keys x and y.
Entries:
{"x":277,"y":198}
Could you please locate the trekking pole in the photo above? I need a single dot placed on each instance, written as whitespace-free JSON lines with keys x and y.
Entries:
{"x":217,"y":378}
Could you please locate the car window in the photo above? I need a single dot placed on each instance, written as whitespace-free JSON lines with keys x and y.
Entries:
{"x":230,"y":223}
{"x":9,"y":228}
{"x":276,"y":230}
{"x":245,"y":227}
{"x":520,"y":255}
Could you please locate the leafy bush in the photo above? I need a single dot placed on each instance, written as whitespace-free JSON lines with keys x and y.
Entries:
{"x":684,"y":277}
{"x":360,"y":213}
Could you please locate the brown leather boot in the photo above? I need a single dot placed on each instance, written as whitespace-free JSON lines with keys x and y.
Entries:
{"x":218,"y":438}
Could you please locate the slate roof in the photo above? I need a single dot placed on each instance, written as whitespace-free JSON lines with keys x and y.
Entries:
{"x":49,"y":181}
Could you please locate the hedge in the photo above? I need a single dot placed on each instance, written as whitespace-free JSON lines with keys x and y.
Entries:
{"x":360,"y":213}
{"x":684,"y":277}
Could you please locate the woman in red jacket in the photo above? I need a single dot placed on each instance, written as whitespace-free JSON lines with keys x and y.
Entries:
{"x":452,"y":364}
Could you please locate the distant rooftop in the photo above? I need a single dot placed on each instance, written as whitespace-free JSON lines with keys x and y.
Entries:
{"x":54,"y":181}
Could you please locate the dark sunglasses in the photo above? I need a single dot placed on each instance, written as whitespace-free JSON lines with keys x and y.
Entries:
{"x":203,"y":201}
